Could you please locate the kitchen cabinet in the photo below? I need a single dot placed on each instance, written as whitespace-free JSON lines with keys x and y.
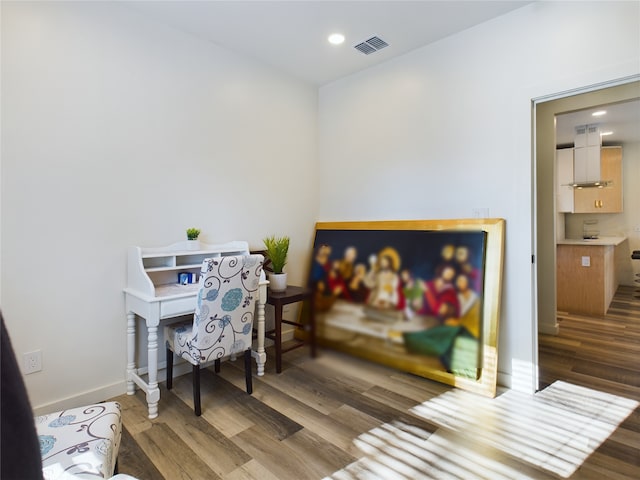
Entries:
{"x":602,"y":199}
{"x":564,"y":179}
{"x":586,"y":276}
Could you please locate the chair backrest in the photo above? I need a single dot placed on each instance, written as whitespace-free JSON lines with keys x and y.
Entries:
{"x":223,"y":319}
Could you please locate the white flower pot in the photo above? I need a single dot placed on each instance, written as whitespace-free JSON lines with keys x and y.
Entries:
{"x":277,"y":282}
{"x":193,"y":244}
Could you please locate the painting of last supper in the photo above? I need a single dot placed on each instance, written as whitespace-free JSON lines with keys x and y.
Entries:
{"x":408,"y":294}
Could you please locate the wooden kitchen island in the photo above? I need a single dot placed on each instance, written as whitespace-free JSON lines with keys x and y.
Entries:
{"x":586,"y":275}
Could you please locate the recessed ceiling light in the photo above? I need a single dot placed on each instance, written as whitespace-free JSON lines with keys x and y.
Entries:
{"x":336,"y":38}
{"x":602,"y":134}
{"x":599,"y":113}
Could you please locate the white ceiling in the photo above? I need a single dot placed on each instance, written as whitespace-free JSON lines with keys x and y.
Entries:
{"x":623,"y":119}
{"x":292,"y":35}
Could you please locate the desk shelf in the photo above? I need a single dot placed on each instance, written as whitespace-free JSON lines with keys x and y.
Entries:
{"x":175,"y":268}
{"x":175,"y":289}
{"x":151,"y":268}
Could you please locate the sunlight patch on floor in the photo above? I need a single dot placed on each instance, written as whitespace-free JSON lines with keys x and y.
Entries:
{"x":513,"y":436}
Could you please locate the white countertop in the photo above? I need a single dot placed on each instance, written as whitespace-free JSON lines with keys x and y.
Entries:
{"x":602,"y":241}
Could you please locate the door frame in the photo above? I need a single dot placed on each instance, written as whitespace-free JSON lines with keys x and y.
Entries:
{"x":544,"y":111}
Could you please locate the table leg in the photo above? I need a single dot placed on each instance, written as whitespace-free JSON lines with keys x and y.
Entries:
{"x":278,"y":337}
{"x":259,"y":354}
{"x":131,"y":352}
{"x":153,"y":393}
{"x":312,"y":325}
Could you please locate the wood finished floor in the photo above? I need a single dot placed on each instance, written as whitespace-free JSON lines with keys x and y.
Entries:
{"x":597,"y":352}
{"x":302,"y":423}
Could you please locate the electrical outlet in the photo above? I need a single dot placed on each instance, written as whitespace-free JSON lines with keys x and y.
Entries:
{"x":32,"y":361}
{"x":480,"y":213}
{"x":586,"y":261}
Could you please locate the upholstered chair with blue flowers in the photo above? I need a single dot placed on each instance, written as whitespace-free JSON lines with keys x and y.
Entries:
{"x":80,"y":442}
{"x":223,"y":320}
{"x":76,"y":443}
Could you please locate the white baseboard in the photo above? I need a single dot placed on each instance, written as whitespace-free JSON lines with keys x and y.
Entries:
{"x":107,"y":392}
{"x":287,"y":334}
{"x":85,"y":398}
{"x":504,"y":379}
{"x":552,"y":329}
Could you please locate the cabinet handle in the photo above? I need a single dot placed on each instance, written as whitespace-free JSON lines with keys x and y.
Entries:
{"x":595,"y":204}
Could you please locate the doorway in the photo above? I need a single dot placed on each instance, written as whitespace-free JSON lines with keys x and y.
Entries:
{"x":546,"y":218}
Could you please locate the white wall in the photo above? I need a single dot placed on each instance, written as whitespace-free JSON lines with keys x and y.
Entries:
{"x":117,"y":131}
{"x":447,"y":128}
{"x":111,"y":124}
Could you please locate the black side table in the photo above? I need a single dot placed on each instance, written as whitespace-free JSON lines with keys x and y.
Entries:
{"x":292,"y":294}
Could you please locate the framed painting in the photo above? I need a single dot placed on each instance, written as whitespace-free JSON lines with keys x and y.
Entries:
{"x":422,"y":296}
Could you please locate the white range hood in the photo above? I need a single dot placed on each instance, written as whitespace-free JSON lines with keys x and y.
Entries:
{"x":586,"y":158}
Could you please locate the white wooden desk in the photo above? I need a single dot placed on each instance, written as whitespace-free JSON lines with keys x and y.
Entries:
{"x":153,"y":293}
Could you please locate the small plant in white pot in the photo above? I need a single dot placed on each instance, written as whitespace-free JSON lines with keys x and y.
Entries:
{"x":192,"y":238}
{"x":277,"y":249}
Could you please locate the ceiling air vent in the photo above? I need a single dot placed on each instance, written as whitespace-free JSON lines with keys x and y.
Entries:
{"x":372,"y":45}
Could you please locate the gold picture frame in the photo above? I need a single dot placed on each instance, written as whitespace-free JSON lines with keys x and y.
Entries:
{"x":392,"y":292}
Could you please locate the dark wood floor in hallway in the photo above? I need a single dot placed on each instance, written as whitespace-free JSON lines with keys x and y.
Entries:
{"x":303,"y":424}
{"x":598,"y":352}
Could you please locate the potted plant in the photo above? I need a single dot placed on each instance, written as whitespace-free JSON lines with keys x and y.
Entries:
{"x":277,"y":249}
{"x":192,"y":238}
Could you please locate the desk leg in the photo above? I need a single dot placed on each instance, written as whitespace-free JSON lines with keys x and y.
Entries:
{"x":131,"y":352}
{"x":259,"y":354}
{"x":153,"y":393}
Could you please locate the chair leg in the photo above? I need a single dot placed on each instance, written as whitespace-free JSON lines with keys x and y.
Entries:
{"x":247,"y":371}
{"x":216,"y":365}
{"x":196,"y":390}
{"x":169,"y":369}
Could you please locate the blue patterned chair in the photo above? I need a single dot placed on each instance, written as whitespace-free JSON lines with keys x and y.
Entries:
{"x":71,"y":444}
{"x":223,"y":320}
{"x":80,"y":442}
